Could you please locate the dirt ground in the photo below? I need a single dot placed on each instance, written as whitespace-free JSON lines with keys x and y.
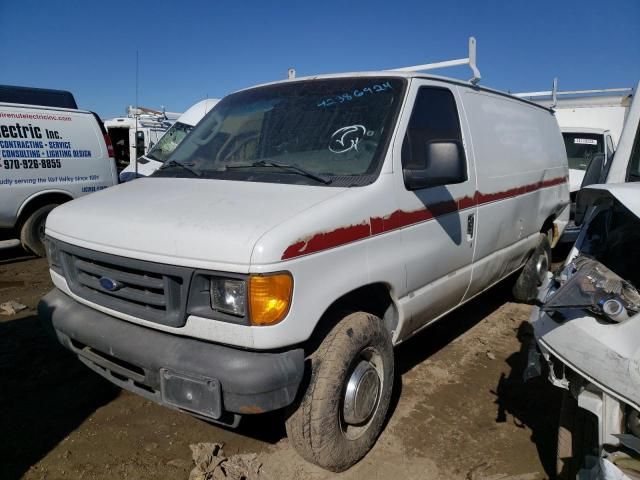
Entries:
{"x":460,"y":409}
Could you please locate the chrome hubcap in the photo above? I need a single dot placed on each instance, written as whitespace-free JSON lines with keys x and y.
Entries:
{"x":542,"y":267}
{"x":361,"y":395}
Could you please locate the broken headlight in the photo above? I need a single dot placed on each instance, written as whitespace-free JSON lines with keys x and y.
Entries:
{"x":587,"y":284}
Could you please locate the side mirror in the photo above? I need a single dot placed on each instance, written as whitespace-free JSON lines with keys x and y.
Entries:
{"x":595,"y":170}
{"x":139,"y":144}
{"x":445,"y":164}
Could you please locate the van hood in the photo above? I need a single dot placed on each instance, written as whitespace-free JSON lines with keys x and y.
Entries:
{"x":201,"y":223}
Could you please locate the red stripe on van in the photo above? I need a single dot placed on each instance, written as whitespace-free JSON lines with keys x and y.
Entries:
{"x":400,"y":218}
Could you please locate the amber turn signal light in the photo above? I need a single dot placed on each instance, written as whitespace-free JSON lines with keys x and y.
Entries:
{"x":269,"y":297}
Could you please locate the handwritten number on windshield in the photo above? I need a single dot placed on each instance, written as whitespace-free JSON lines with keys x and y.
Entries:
{"x":356,"y":93}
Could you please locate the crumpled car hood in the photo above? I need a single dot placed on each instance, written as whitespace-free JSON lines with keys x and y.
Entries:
{"x":604,"y":351}
{"x":628,"y":194}
{"x":608,"y":355}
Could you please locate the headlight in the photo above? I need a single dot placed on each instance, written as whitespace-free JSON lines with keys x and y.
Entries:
{"x":241,"y":299}
{"x":228,"y":295}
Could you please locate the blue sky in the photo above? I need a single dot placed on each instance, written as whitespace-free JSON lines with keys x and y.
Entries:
{"x":189,"y":50}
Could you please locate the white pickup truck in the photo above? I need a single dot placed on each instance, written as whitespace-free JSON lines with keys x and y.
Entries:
{"x":296,"y":235}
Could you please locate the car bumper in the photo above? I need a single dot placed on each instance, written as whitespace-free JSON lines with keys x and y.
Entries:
{"x":209,"y":380}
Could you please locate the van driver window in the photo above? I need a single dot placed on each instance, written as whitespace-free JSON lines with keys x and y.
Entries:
{"x":434,"y":117}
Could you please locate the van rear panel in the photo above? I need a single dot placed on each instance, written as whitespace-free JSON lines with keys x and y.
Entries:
{"x":522,"y":181}
{"x":48,"y":150}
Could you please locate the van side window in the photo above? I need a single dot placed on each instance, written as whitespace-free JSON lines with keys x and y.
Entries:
{"x":434,"y":117}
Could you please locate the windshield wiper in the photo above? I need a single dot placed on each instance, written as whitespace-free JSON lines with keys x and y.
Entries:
{"x":285,"y":166}
{"x":172,"y":163}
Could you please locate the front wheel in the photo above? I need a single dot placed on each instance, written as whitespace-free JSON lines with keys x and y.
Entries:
{"x":32,"y":231}
{"x":345,"y":404}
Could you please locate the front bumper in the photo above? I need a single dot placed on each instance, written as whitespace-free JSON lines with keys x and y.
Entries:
{"x":606,"y":355}
{"x":209,"y":380}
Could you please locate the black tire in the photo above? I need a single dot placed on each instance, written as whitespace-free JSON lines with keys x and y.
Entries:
{"x":577,"y":438}
{"x":32,"y":231}
{"x":317,"y":427}
{"x":532,"y":274}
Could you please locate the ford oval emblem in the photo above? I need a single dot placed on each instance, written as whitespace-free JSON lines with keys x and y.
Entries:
{"x":110,"y":284}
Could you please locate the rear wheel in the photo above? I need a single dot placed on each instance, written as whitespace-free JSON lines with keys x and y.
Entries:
{"x":32,"y":231}
{"x":345,"y":404}
{"x":577,"y":438}
{"x":534,"y":272}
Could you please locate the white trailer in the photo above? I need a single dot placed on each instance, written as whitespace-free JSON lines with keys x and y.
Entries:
{"x":605,"y":109}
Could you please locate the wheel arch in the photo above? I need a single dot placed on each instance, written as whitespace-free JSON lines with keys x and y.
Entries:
{"x":375,"y":298}
{"x":549,"y":224}
{"x":40,"y":199}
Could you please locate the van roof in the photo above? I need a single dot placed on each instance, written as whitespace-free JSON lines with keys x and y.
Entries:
{"x":598,"y":131}
{"x":196,"y":111}
{"x":587,"y":101}
{"x":401,"y":74}
{"x":37,"y":96}
{"x":41,"y":107}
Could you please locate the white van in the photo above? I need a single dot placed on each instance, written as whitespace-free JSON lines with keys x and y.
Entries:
{"x":159,"y":153}
{"x":132,"y":136}
{"x":302,"y":229}
{"x":582,"y":145}
{"x":48,"y":156}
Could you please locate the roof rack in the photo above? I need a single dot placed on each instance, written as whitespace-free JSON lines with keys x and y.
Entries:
{"x":470,"y":60}
{"x":554,"y":93}
{"x":573,"y":92}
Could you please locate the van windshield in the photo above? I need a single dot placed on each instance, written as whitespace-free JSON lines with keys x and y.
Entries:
{"x":581,"y":147}
{"x":302,"y":132}
{"x":169,"y":141}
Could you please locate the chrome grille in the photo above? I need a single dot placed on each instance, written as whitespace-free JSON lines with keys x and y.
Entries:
{"x":147,"y":290}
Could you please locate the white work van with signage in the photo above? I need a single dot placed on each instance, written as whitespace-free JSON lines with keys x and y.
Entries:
{"x":296,"y":235}
{"x":48,"y":156}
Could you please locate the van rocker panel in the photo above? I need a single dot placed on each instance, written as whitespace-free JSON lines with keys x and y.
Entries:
{"x":249,"y":382}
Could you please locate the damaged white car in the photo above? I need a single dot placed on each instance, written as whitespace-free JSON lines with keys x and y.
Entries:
{"x":587,"y":328}
{"x":587,"y":322}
